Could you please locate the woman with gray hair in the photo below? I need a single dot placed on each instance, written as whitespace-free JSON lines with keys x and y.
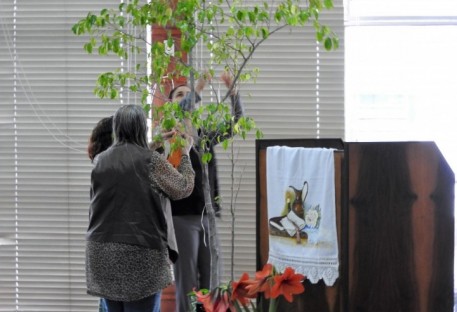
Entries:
{"x":127,"y":252}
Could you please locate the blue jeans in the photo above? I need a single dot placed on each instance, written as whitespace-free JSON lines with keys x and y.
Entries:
{"x":148,"y":304}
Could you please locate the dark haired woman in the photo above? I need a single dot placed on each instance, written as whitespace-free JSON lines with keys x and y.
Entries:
{"x":193,"y":268}
{"x":127,"y":258}
{"x":101,"y":137}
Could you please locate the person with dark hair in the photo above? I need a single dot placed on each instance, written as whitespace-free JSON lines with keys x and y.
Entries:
{"x":193,"y":268}
{"x":101,"y":137}
{"x":127,"y":248}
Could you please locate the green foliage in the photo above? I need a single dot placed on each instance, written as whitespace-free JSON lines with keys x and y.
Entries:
{"x":248,"y":26}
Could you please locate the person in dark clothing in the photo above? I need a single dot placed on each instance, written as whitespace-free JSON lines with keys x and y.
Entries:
{"x":127,"y":248}
{"x":192,"y":269}
{"x":100,"y":139}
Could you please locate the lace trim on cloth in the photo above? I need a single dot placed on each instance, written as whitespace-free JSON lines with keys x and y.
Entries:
{"x":325,"y":269}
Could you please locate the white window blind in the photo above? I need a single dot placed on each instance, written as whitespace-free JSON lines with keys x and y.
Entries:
{"x":299,"y":94}
{"x":47,"y":110}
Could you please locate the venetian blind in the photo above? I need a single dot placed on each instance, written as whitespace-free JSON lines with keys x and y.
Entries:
{"x":299,"y":93}
{"x":47,"y":110}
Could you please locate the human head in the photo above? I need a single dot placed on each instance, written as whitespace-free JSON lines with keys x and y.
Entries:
{"x":130,"y":125}
{"x":101,"y":137}
{"x":178,"y":93}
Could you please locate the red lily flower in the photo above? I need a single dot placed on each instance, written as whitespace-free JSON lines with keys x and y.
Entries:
{"x":288,"y":284}
{"x":240,"y":291}
{"x":205,"y":299}
{"x":222,"y":302}
{"x":262,"y":282}
{"x":228,"y":298}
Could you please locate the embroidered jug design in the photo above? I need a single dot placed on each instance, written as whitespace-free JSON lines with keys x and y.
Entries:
{"x":298,"y":203}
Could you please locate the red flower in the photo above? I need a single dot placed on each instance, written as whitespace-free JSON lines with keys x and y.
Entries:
{"x":288,"y":284}
{"x":222,"y":302}
{"x":217,"y":300}
{"x":205,"y":299}
{"x":267,"y":281}
{"x":240,"y":291}
{"x":262,"y":282}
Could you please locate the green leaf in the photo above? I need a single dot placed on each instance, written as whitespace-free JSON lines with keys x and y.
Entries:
{"x":225,"y":144}
{"x":336,"y":42}
{"x":147,"y":108}
{"x":319,"y":36}
{"x":206,"y":157}
{"x":76,"y":29}
{"x":102,"y":50}
{"x":114,"y":93}
{"x":328,"y":4}
{"x":88,"y":48}
{"x":236,"y":127}
{"x":252,"y":17}
{"x":240,"y":15}
{"x":168,"y":124}
{"x":121,"y":21}
{"x":278,"y":17}
{"x":328,"y":44}
{"x":90,"y":20}
{"x":248,"y":31}
{"x":265,"y":32}
{"x":292,"y":20}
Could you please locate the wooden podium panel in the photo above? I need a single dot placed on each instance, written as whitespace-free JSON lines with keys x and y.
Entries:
{"x":395,"y":224}
{"x":401,"y":227}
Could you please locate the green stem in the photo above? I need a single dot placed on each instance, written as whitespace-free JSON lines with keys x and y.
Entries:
{"x":273,"y":305}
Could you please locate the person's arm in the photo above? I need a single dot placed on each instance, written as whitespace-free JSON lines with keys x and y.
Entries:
{"x":235,"y":99}
{"x":175,"y":183}
{"x":237,"y":106}
{"x":237,"y":109}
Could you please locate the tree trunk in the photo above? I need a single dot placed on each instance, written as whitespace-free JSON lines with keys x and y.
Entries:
{"x":214,"y":250}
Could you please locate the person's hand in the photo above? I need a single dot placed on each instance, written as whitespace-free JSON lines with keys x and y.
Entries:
{"x":201,"y":82}
{"x":160,"y":135}
{"x":228,"y":81}
{"x":189,"y":143}
{"x":166,"y":135}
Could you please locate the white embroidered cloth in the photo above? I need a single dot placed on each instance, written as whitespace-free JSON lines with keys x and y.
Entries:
{"x":301,"y":199}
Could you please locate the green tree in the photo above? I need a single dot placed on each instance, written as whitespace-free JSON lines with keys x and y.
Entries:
{"x":231,"y":31}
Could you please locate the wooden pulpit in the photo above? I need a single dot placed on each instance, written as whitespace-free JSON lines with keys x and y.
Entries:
{"x":395,"y":226}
